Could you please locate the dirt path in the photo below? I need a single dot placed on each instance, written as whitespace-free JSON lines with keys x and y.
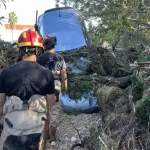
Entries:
{"x":67,"y":134}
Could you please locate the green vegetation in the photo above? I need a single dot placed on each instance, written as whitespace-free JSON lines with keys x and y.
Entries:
{"x":13,"y":21}
{"x":4,"y":4}
{"x":122,"y":26}
{"x":77,"y":87}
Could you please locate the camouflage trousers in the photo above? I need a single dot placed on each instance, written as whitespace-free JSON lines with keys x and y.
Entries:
{"x":55,"y":110}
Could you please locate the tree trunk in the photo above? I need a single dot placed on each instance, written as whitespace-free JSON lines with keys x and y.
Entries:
{"x":12,"y":35}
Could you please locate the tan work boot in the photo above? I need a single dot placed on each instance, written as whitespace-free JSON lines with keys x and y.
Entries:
{"x":52,"y":134}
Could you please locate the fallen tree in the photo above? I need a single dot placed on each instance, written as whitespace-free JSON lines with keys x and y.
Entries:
{"x":109,"y":74}
{"x":114,"y":83}
{"x":8,"y":54}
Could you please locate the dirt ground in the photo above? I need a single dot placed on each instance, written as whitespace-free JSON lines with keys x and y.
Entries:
{"x":67,"y":134}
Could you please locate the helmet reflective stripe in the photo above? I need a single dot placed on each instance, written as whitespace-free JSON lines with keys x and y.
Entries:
{"x":29,"y":44}
{"x":24,"y":35}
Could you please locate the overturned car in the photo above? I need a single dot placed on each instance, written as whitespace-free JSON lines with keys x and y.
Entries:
{"x":66,"y":24}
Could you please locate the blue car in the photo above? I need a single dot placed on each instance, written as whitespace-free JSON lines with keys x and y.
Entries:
{"x":69,"y":28}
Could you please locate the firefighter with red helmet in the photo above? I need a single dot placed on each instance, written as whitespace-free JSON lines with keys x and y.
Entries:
{"x":27,"y":94}
{"x":57,"y":65}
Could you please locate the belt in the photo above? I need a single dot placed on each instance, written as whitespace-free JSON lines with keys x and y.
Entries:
{"x":56,"y":77}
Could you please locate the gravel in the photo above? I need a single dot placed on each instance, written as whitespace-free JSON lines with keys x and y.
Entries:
{"x":67,"y":135}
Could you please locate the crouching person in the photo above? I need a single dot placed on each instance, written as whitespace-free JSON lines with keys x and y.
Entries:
{"x":27,"y":94}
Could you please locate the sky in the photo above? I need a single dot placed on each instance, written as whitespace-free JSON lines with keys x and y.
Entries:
{"x":26,"y":9}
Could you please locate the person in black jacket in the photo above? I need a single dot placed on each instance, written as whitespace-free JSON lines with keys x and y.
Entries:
{"x":27,"y":93}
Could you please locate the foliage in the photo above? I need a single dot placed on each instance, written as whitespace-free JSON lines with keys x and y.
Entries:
{"x":4,"y":4}
{"x":114,"y":21}
{"x":13,"y":19}
{"x":137,"y":88}
{"x":143,"y":109}
{"x":92,"y":141}
{"x":77,"y":87}
{"x":1,"y":19}
{"x":125,"y":24}
{"x":8,"y":55}
{"x":141,"y":91}
{"x":116,"y":114}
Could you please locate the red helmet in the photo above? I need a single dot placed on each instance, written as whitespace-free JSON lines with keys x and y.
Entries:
{"x":29,"y":38}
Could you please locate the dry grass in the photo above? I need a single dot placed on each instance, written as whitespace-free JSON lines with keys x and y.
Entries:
{"x":120,"y":129}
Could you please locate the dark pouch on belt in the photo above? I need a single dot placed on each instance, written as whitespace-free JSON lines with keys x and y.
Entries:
{"x":57,"y":93}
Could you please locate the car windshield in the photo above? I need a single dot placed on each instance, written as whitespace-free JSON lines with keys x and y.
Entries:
{"x":66,"y":26}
